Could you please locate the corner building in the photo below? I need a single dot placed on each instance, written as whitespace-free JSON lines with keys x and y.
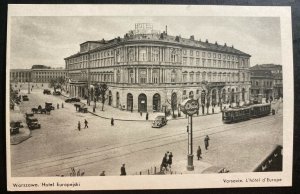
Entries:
{"x":148,"y":71}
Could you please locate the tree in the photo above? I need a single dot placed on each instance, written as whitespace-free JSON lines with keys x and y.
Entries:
{"x":100,"y":91}
{"x":173,"y":102}
{"x":57,"y":83}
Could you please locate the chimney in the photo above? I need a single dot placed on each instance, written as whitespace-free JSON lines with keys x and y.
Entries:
{"x":225,"y":44}
{"x":206,"y":41}
{"x":192,"y":37}
{"x":166,"y":29}
{"x":216,"y":43}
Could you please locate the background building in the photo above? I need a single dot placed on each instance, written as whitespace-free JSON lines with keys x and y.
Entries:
{"x":37,"y":74}
{"x":148,"y":71}
{"x":20,"y":75}
{"x":266,"y":80}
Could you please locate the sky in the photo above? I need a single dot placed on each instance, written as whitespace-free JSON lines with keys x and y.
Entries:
{"x":48,"y":40}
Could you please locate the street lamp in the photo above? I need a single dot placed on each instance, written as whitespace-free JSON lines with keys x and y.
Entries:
{"x":190,"y":107}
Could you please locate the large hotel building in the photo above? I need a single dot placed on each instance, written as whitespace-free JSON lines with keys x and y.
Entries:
{"x":147,"y":70}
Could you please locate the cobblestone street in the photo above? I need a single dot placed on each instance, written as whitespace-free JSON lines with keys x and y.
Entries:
{"x":59,"y":145}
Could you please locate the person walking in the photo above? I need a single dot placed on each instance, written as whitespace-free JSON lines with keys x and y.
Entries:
{"x":199,"y":152}
{"x":206,"y":142}
{"x":79,"y":126}
{"x":141,"y":113}
{"x":57,"y":106}
{"x":164,"y":163}
{"x":123,"y":170}
{"x":170,"y":159}
{"x":102,"y":173}
{"x":62,"y":105}
{"x":112,"y":122}
{"x":147,"y":116}
{"x":86,"y":124}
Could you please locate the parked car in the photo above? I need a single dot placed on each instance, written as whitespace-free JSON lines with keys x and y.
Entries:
{"x":46,"y":91}
{"x":25,"y":98}
{"x":33,"y":123}
{"x":57,"y":93}
{"x":159,"y":121}
{"x":72,"y":100}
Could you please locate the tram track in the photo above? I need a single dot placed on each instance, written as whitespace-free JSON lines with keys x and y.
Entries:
{"x":88,"y":157}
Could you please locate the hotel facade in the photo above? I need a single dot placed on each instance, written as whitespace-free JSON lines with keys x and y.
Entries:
{"x":148,"y":71}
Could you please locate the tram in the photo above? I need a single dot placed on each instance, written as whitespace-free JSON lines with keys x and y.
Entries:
{"x":233,"y":115}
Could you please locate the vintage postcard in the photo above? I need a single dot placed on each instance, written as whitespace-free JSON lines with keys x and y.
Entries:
{"x":105,"y":97}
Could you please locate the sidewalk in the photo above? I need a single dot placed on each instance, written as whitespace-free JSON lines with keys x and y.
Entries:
{"x":124,"y":115}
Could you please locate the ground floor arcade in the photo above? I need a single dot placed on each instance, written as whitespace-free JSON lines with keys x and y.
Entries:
{"x":161,"y":98}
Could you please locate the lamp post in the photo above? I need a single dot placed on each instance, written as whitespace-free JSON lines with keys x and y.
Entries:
{"x":28,"y":87}
{"x":190,"y":107}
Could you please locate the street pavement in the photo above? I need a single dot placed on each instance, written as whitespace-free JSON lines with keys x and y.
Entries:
{"x":58,"y":146}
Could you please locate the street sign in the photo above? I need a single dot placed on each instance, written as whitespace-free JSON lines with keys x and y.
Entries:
{"x":189,"y":106}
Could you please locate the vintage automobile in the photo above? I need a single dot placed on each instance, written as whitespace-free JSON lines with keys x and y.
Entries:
{"x":33,"y":123}
{"x":48,"y":106}
{"x":16,"y":124}
{"x":25,"y":98}
{"x":46,"y":91}
{"x":69,"y":100}
{"x":159,"y":121}
{"x":14,"y":130}
{"x":57,"y":93}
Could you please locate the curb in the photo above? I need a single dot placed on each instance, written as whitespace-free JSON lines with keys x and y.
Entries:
{"x":177,"y":118}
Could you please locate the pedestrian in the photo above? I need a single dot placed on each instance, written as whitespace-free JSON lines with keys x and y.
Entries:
{"x":85,"y":124}
{"x":170,"y":159}
{"x":62,"y":105}
{"x":141,"y":113}
{"x":112,"y":122}
{"x":102,"y":173}
{"x":57,"y":106}
{"x":147,"y":116}
{"x":213,"y":110}
{"x":164,"y":163}
{"x":206,"y":142}
{"x":123,"y":170}
{"x":199,"y":152}
{"x":79,"y":126}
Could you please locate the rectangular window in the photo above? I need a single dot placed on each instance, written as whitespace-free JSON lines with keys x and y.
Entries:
{"x":197,"y":53}
{"x":219,"y":56}
{"x":191,"y":52}
{"x":208,"y":55}
{"x":197,"y":61}
{"x":214,"y":55}
{"x":208,"y":62}
{"x":184,"y":51}
{"x":184,"y":61}
{"x":214,"y":63}
{"x":191,"y":61}
{"x":203,"y":54}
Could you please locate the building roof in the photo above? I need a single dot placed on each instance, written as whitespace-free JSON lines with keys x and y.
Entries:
{"x":164,"y":38}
